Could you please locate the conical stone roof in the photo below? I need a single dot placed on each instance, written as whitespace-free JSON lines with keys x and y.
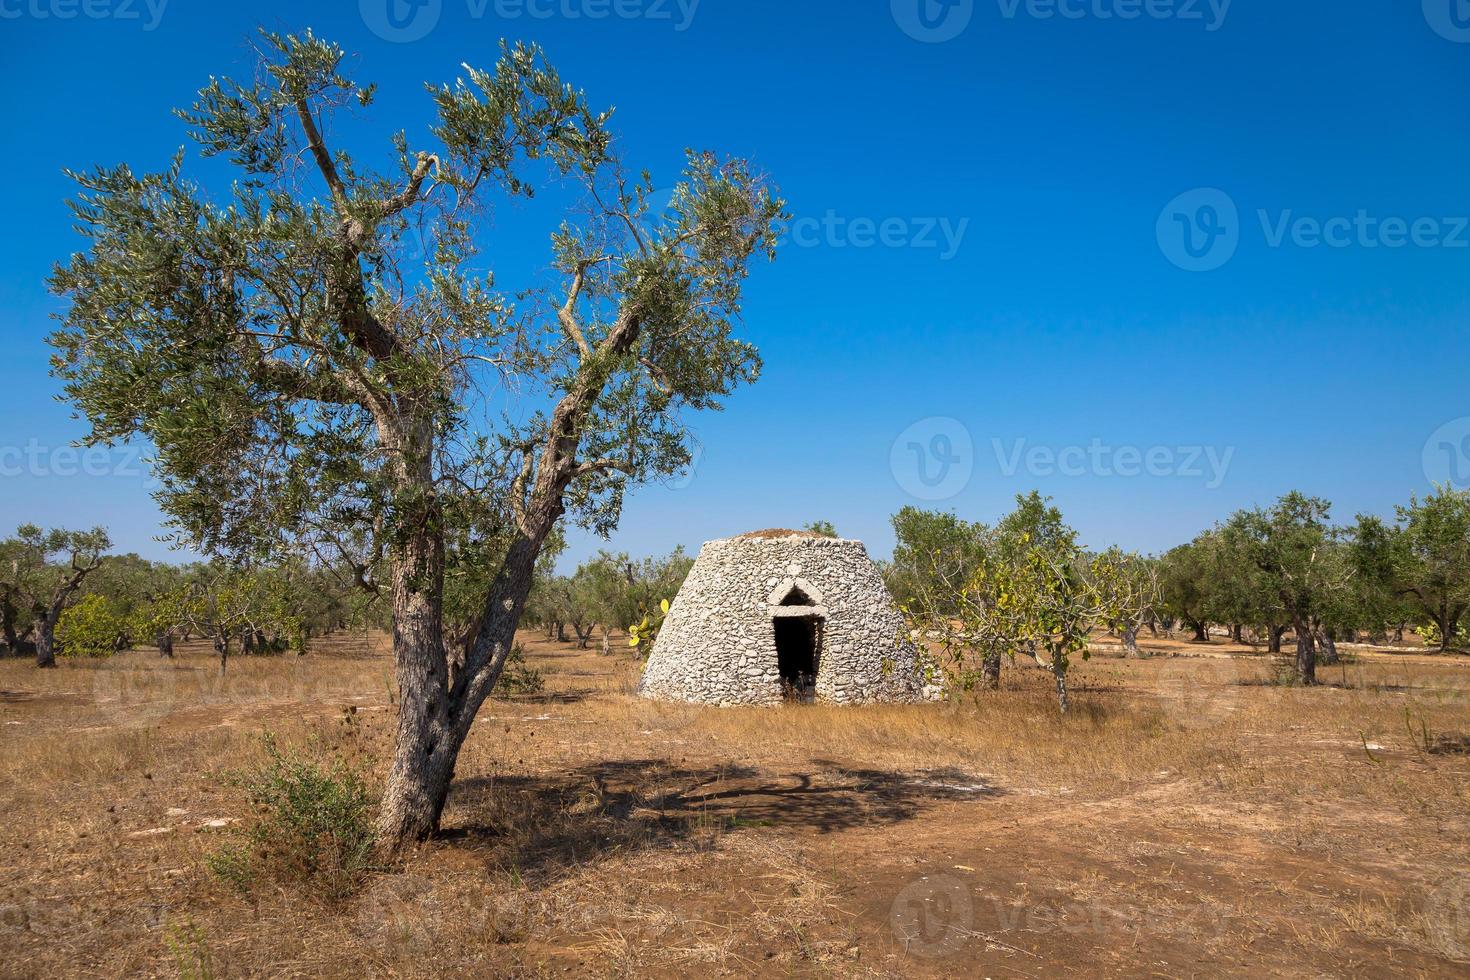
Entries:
{"x":724,"y":640}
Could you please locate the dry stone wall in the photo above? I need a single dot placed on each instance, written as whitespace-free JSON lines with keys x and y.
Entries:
{"x":718,"y":644}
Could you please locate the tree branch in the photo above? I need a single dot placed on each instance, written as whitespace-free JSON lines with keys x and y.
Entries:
{"x":322,"y":155}
{"x":568,"y":316}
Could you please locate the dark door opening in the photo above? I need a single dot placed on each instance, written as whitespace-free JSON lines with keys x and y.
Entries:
{"x":798,"y":652}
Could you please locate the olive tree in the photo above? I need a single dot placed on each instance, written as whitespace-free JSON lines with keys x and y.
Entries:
{"x":1130,"y":583}
{"x":1187,"y":585}
{"x":933,"y":553}
{"x":1024,"y":586}
{"x":322,"y":350}
{"x":43,"y":573}
{"x":1291,"y":547}
{"x":1423,"y":560}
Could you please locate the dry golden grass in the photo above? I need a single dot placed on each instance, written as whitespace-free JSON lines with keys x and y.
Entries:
{"x":1190,"y":817}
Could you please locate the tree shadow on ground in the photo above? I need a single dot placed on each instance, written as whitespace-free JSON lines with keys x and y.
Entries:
{"x":544,"y":826}
{"x":549,"y":697}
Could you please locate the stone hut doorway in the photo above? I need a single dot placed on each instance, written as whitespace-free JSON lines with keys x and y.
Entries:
{"x":798,"y":655}
{"x":797,"y":622}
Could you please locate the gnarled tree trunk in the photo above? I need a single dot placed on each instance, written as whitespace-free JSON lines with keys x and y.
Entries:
{"x":1306,"y":654}
{"x":46,"y":637}
{"x":990,"y":670}
{"x":8,"y":614}
{"x":437,"y":710}
{"x":1327,"y":643}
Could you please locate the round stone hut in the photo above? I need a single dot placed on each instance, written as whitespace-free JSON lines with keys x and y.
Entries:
{"x":776,"y":617}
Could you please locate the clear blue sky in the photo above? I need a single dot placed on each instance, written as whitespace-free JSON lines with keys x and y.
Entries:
{"x":1056,"y":313}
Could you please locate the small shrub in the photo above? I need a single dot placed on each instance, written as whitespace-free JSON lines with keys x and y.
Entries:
{"x":314,"y":827}
{"x":190,"y":952}
{"x":1282,"y":672}
{"x":519,"y":677}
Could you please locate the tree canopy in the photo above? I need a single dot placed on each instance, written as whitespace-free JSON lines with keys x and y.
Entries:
{"x":323,"y":357}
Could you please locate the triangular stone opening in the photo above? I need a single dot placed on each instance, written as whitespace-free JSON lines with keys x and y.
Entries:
{"x":797,"y":597}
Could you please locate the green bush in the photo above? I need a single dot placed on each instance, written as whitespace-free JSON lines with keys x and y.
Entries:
{"x":1431,"y":635}
{"x":91,"y":628}
{"x":314,"y":827}
{"x":519,"y":677}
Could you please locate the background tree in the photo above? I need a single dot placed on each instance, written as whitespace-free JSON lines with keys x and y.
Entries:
{"x":825,"y":529}
{"x":125,"y":584}
{"x":1422,"y":561}
{"x":45,"y":572}
{"x":1130,"y":591}
{"x":224,"y":603}
{"x":16,"y":622}
{"x":302,"y":373}
{"x":934,"y":553}
{"x":1235,"y":593}
{"x":1187,"y":585}
{"x":1291,"y":546}
{"x":1023,"y":587}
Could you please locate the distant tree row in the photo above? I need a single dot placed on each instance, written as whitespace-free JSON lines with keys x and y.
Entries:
{"x":61,"y":593}
{"x":610,"y":592}
{"x":1289,"y":568}
{"x":1025,"y":586}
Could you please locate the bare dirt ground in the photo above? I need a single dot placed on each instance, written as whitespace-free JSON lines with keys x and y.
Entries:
{"x":1190,"y":818}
